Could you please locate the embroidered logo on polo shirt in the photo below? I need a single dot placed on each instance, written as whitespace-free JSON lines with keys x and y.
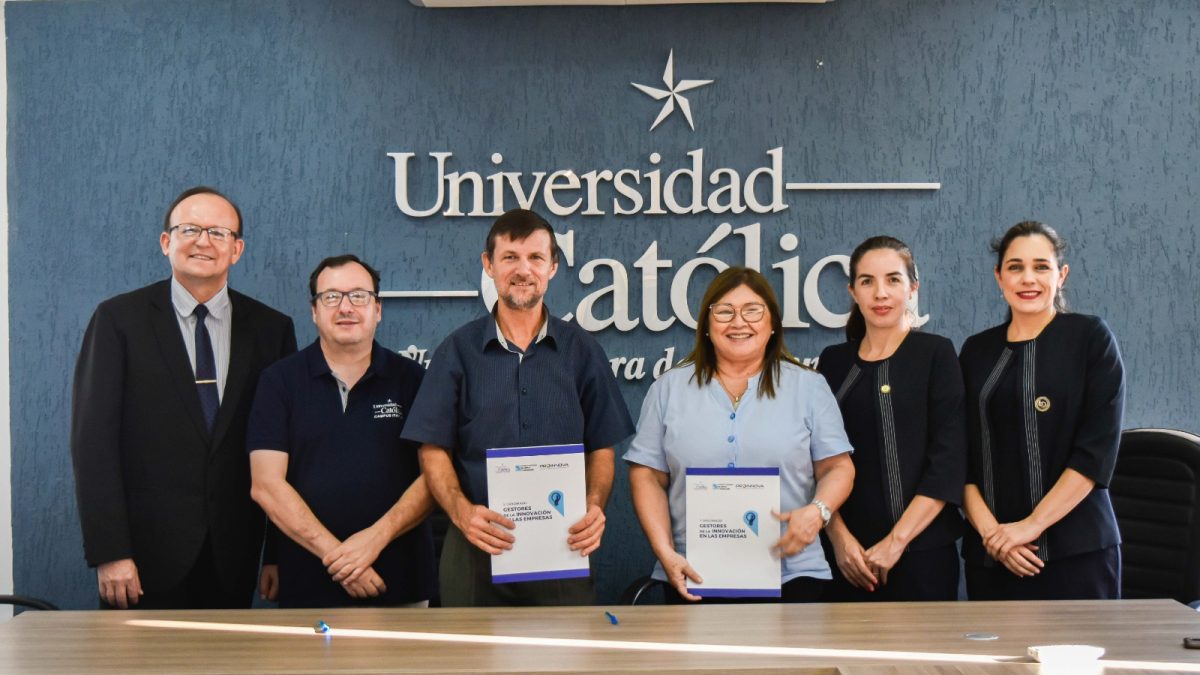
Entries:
{"x":391,"y":410}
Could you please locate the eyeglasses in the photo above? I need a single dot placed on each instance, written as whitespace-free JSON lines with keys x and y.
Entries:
{"x":724,"y":312}
{"x":217,"y":235}
{"x":358,"y":298}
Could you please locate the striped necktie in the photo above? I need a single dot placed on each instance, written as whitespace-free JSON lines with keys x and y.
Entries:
{"x":206,"y":368}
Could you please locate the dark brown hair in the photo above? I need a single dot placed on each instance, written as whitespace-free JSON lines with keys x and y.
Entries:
{"x":1030,"y":228}
{"x":704,"y":357}
{"x":517,"y":225}
{"x":338,"y":261}
{"x":856,"y":325}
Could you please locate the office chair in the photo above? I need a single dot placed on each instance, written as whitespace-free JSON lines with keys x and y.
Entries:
{"x":26,"y":601}
{"x":641,"y":590}
{"x":1156,"y":495}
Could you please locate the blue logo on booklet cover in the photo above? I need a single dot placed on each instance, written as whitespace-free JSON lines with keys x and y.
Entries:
{"x":751,"y":519}
{"x":556,"y":500}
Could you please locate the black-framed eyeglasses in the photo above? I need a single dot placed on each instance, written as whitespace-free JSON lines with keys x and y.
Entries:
{"x":216,"y":234}
{"x":358,"y":297}
{"x":724,"y":312}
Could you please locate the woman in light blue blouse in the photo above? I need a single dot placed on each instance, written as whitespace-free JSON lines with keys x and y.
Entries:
{"x":740,"y":399}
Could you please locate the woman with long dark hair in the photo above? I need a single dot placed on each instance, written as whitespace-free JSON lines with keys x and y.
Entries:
{"x":901,"y":395}
{"x":740,"y":399}
{"x":1045,"y":397}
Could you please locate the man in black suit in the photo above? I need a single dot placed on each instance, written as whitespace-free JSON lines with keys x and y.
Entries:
{"x":163,"y":388}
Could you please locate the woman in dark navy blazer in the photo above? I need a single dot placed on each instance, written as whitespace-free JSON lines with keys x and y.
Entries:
{"x":901,"y":396}
{"x":1045,"y":395}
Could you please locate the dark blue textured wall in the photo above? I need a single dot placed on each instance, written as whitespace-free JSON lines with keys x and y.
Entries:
{"x":1079,"y":113}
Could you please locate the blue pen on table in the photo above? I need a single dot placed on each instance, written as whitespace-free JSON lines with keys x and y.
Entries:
{"x":320,"y":627}
{"x":612,"y":618}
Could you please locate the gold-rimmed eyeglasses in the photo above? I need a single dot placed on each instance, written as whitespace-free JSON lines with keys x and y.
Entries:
{"x":724,"y":312}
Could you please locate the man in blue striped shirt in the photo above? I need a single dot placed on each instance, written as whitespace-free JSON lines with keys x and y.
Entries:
{"x":518,"y":377}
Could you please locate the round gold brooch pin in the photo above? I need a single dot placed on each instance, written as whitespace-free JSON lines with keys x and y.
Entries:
{"x":1041,"y":403}
{"x":885,"y":389}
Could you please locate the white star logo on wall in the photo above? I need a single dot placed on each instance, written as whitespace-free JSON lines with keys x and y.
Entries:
{"x":672,"y":93}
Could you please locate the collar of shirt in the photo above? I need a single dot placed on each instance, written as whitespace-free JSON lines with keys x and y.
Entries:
{"x":318,"y":366}
{"x":218,"y":305}
{"x":544,"y":332}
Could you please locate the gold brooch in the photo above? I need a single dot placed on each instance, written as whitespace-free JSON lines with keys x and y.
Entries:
{"x":885,"y":389}
{"x":1041,"y":404}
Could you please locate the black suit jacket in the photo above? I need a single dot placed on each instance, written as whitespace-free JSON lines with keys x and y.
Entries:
{"x":927,"y":426}
{"x":150,"y":480}
{"x":1077,"y":368}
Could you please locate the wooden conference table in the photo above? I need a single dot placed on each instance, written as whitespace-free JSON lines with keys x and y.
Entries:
{"x":1138,"y":636}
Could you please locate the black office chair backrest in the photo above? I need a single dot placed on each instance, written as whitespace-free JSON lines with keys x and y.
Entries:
{"x":643,"y":590}
{"x":1156,"y":495}
{"x":26,"y":601}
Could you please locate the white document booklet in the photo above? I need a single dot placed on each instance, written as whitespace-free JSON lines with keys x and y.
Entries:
{"x":543,"y":491}
{"x":730,"y":531}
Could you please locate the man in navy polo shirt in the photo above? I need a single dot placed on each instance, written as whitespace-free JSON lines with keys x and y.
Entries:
{"x":517,"y":378}
{"x":327,"y":461}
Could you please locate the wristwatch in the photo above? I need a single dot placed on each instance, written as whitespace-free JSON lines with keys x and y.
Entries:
{"x":826,"y":514}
